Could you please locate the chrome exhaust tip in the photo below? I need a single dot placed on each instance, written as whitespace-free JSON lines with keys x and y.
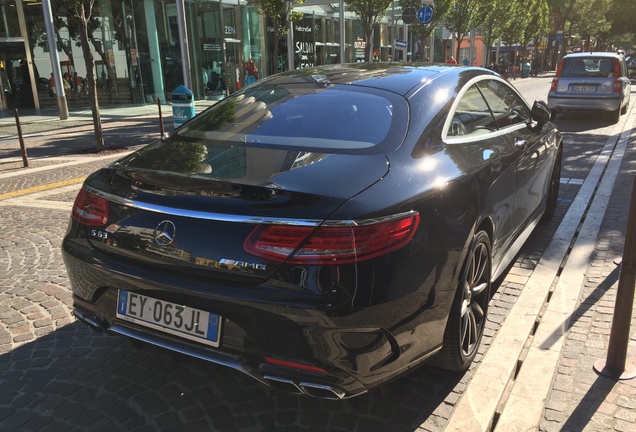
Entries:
{"x":320,"y":391}
{"x":282,"y":384}
{"x":93,"y":324}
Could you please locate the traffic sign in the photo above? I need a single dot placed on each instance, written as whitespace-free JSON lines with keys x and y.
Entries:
{"x":400,"y":44}
{"x":408,"y":15}
{"x":425,"y":14}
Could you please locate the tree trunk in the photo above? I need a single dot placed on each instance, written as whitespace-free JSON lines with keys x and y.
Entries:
{"x":459,"y":40}
{"x":92,"y":87}
{"x":276,"y":42}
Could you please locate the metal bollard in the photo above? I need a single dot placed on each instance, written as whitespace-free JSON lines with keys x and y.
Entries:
{"x":614,"y":365}
{"x":160,"y":118}
{"x":25,"y":158}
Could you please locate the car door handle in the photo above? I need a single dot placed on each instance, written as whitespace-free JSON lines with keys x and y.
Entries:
{"x":520,"y":143}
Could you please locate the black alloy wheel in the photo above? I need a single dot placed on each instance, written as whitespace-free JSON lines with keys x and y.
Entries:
{"x":467,"y":318}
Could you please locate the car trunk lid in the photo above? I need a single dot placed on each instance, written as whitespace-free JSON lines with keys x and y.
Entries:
{"x":195,"y":223}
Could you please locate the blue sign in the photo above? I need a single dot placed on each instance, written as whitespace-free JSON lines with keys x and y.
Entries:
{"x":425,"y":14}
{"x":400,"y":44}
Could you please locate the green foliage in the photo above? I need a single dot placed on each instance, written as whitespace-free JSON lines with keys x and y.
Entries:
{"x":622,"y":16}
{"x":462,"y":18}
{"x":539,"y":24}
{"x":280,"y":12}
{"x":494,"y":17}
{"x":369,"y":11}
{"x":173,"y":156}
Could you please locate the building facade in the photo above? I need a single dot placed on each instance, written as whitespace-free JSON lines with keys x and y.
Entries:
{"x":138,"y":51}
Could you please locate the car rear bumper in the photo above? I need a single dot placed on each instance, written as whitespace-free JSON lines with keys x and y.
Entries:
{"x":561,"y":103}
{"x":354,"y":352}
{"x":321,"y":386}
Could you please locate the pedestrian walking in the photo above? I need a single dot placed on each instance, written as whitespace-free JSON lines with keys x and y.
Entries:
{"x":78,"y":84}
{"x":251,"y":71}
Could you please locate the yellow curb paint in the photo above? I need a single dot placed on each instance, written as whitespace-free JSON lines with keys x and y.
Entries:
{"x":41,"y":188}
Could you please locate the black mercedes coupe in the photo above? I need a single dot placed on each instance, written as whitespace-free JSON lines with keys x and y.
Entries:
{"x":322,"y":230}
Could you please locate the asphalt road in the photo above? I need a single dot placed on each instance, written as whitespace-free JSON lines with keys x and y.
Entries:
{"x":56,"y":375}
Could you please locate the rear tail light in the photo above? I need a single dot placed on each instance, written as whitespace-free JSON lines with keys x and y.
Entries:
{"x":555,"y":80}
{"x":294,"y":365}
{"x":331,"y":244}
{"x":618,"y":86}
{"x":90,"y":209}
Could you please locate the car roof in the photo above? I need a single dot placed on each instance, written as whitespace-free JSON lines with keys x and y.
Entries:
{"x":594,"y":54}
{"x":400,"y":78}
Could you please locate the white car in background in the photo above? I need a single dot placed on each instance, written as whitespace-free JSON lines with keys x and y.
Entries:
{"x":597,"y":81}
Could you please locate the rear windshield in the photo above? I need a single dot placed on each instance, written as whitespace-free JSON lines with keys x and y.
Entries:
{"x":309,"y":117}
{"x":593,"y":67}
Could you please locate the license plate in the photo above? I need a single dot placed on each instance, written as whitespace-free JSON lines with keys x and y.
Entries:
{"x":186,"y":322}
{"x":583,"y":88}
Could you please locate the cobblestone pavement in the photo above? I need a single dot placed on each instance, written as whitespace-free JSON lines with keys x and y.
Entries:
{"x":56,"y":375}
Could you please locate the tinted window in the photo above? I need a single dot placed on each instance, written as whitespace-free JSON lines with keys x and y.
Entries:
{"x":472,"y":115}
{"x":506,"y":105}
{"x":488,"y":105}
{"x":325,"y":118}
{"x":592,"y":67}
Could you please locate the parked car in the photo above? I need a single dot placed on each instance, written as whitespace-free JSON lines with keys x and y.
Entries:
{"x":321,"y":230}
{"x":595,"y":81}
{"x":631,"y":65}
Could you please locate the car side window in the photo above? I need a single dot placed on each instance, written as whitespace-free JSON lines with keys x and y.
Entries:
{"x":472,"y":115}
{"x":507,"y":107}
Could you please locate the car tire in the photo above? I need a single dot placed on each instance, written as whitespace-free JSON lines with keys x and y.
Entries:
{"x":553,"y":115}
{"x":553,"y":189}
{"x":624,"y":109}
{"x":469,"y":311}
{"x":616,"y":115}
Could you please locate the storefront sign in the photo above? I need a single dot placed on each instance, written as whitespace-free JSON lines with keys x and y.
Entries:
{"x":360,"y":46}
{"x":211,"y":47}
{"x":304,"y":47}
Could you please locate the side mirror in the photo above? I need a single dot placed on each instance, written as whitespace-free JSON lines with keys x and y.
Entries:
{"x":540,"y":115}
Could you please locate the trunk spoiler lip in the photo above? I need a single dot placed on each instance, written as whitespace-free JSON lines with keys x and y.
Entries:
{"x":222,"y":217}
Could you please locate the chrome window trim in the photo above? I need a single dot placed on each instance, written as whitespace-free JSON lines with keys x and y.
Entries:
{"x":220,"y":217}
{"x":462,"y":139}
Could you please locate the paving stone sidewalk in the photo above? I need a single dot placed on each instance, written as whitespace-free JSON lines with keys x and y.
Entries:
{"x":580,"y":399}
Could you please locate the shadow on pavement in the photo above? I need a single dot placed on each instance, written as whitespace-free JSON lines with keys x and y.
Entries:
{"x":581,"y":121}
{"x":81,"y":140}
{"x":73,"y":379}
